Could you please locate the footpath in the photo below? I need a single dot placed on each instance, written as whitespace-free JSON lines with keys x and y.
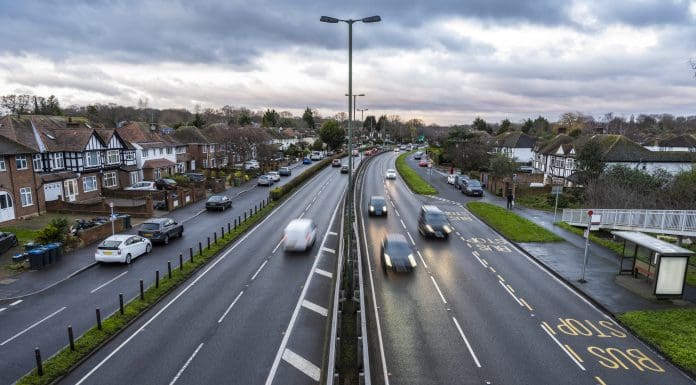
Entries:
{"x":611,"y":292}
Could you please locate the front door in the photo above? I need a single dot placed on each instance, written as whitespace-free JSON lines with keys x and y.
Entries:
{"x":70,"y":190}
{"x":6,"y":207}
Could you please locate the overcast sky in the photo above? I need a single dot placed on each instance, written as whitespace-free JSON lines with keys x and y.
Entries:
{"x":443,"y":61}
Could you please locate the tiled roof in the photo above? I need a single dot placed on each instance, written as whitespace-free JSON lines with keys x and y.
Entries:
{"x":141,"y":132}
{"x":10,"y":147}
{"x":618,"y":148}
{"x":189,"y":135}
{"x":53,"y":131}
{"x":552,"y":145}
{"x":514,"y":139}
{"x":678,"y":141}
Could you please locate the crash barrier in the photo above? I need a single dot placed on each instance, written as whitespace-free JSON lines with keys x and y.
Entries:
{"x":281,"y":191}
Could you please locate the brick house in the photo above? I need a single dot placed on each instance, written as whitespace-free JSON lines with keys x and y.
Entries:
{"x":20,"y":195}
{"x":192,"y":157}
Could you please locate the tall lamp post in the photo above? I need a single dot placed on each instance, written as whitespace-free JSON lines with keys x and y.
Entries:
{"x":349,"y":198}
{"x":355,"y":103}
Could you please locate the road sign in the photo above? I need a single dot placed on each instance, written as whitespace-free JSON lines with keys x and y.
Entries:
{"x":556,"y":190}
{"x":595,"y":221}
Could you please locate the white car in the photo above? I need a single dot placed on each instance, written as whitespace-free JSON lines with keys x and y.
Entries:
{"x":300,"y":235}
{"x":142,"y":186}
{"x":251,"y":165}
{"x":396,"y":149}
{"x":450,"y":179}
{"x":390,"y":174}
{"x":122,"y":248}
{"x":274,"y":175}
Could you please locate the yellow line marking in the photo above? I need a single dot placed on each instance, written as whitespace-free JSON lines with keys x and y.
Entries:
{"x":510,"y":287}
{"x":492,"y":269}
{"x":526,"y":304}
{"x":501,"y":278}
{"x":600,"y":380}
{"x":548,"y":328}
{"x":572,"y":352}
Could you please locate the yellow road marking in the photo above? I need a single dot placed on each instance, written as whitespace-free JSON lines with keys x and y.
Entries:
{"x":501,"y":278}
{"x":572,"y":352}
{"x":492,"y":269}
{"x":526,"y":304}
{"x":548,"y":328}
{"x":600,"y":380}
{"x":510,"y":287}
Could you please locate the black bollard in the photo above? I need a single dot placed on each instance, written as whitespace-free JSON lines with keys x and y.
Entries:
{"x":200,"y":248}
{"x":71,"y":338}
{"x":208,"y":243}
{"x":99,"y":325}
{"x":229,"y":227}
{"x":169,"y":269}
{"x":120,"y":302}
{"x":142,"y":290}
{"x":245,"y":216}
{"x":222,"y":231}
{"x":191,"y":253}
{"x":181,"y":262}
{"x":156,"y":278}
{"x":39,"y":366}
{"x":215,"y":238}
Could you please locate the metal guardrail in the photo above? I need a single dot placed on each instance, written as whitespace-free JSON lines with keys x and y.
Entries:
{"x":675,"y":222}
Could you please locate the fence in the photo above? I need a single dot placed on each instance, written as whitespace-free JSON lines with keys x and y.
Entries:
{"x":101,"y":208}
{"x":676,"y":222}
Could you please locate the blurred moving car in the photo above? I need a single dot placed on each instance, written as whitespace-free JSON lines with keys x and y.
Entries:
{"x":274,"y":175}
{"x":377,"y":205}
{"x":165,"y":184}
{"x":264,"y":180}
{"x":300,"y":235}
{"x":316,"y":155}
{"x":7,"y":241}
{"x":472,"y":187}
{"x":284,"y":171}
{"x":390,"y":174}
{"x":194,"y":176}
{"x":218,"y":202}
{"x":432,"y":222}
{"x":306,"y":161}
{"x":418,"y":155}
{"x":344,"y":169}
{"x":423,"y":163}
{"x":161,"y":230}
{"x":122,"y":248}
{"x":396,"y":149}
{"x":396,"y":254}
{"x":142,"y":186}
{"x":336,"y":163}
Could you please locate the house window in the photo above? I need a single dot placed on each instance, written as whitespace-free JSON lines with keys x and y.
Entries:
{"x":110,"y":179}
{"x":145,"y":153}
{"x":193,"y":165}
{"x":129,"y":155}
{"x":134,"y":177}
{"x":57,"y":161}
{"x":158,"y":173}
{"x":205,"y":163}
{"x":25,"y":194}
{"x":170,"y":151}
{"x":181,"y":167}
{"x":205,"y":149}
{"x":570,"y":164}
{"x":112,"y":157}
{"x":212,"y":148}
{"x":5,"y":201}
{"x":91,"y":159}
{"x":161,"y":151}
{"x":36,"y":162}
{"x":180,"y":149}
{"x":89,"y":183}
{"x":3,"y":166}
{"x":558,"y":162}
{"x":21,"y":161}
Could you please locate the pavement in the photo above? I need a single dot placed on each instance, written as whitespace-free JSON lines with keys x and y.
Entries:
{"x":614,"y":293}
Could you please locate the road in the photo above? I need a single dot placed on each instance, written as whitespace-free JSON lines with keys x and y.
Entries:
{"x":479,"y":311}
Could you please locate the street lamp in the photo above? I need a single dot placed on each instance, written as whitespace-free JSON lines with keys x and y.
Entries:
{"x":350,"y":22}
{"x":362,"y":110}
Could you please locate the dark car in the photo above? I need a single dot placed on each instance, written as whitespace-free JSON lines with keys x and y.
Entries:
{"x":432,"y":222}
{"x":336,"y":163}
{"x":194,"y":176}
{"x":284,"y":171}
{"x":472,"y":187}
{"x":306,"y":161}
{"x":459,"y":179}
{"x":161,"y":229}
{"x":165,"y":184}
{"x":344,"y":170}
{"x":377,"y":205}
{"x":396,"y":255}
{"x":218,"y":202}
{"x":7,"y":241}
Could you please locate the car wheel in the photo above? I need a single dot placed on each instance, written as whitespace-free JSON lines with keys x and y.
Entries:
{"x":181,"y":233}
{"x":166,"y":239}
{"x":128,"y":259}
{"x":14,"y":242}
{"x":148,"y":249}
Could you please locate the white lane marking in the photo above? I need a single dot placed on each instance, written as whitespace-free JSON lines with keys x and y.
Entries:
{"x":178,"y":374}
{"x":438,"y":290}
{"x":332,"y":233}
{"x":33,"y":325}
{"x":476,"y":253}
{"x":323,"y":272}
{"x":315,"y":308}
{"x":480,"y":260}
{"x":501,"y":278}
{"x":421,"y":258}
{"x":457,"y":232}
{"x":108,"y":282}
{"x":230,"y":307}
{"x":277,"y":246}
{"x":396,"y":211}
{"x":259,"y":270}
{"x":2,"y":309}
{"x":563,"y":348}
{"x":308,"y":206}
{"x":466,"y":341}
{"x":332,"y":251}
{"x":411,"y":238}
{"x":17,"y":302}
{"x":402,"y":223}
{"x":301,"y":364}
{"x":468,"y":244}
{"x":510,"y":292}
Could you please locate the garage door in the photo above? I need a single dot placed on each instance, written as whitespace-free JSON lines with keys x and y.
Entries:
{"x":52,"y":191}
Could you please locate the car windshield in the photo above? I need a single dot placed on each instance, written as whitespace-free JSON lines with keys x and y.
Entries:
{"x":474,"y":183}
{"x":397,"y":248}
{"x":171,"y":181}
{"x":149,"y":226}
{"x":377,"y":201}
{"x":109,"y":245}
{"x":436,"y":218}
{"x":215,"y":198}
{"x":391,"y":170}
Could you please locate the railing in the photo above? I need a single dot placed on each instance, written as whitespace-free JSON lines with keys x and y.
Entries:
{"x":676,"y":222}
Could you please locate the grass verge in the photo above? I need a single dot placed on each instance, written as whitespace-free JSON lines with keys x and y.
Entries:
{"x":414,"y":181}
{"x":511,"y":225}
{"x":672,"y":331}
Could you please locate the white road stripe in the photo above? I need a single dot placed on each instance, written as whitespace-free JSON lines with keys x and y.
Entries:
{"x":402,"y":223}
{"x":278,"y":245}
{"x":510,"y":292}
{"x":411,"y":238}
{"x":230,"y":307}
{"x":323,"y":272}
{"x":332,"y":251}
{"x":332,"y":233}
{"x":421,"y":258}
{"x":17,"y":302}
{"x":33,"y":325}
{"x":108,"y":282}
{"x":396,"y":211}
{"x":315,"y":308}
{"x":468,"y":244}
{"x":438,"y":290}
{"x":2,"y":309}
{"x":476,"y":253}
{"x":301,"y":364}
{"x":468,"y":346}
{"x":563,"y":348}
{"x":178,"y":374}
{"x":259,"y":270}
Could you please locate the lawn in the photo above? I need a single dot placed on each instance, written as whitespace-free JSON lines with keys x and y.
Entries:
{"x":672,"y":331}
{"x":511,"y":225}
{"x":414,"y":181}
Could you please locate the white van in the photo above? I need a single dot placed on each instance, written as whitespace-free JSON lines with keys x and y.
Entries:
{"x":300,"y":235}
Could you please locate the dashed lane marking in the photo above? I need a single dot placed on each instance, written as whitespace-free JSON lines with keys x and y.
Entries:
{"x":2,"y":309}
{"x":108,"y":282}
{"x":259,"y":270}
{"x":230,"y":307}
{"x":438,"y":290}
{"x":411,"y":238}
{"x":402,"y":223}
{"x":17,"y":302}
{"x":301,"y":364}
{"x":332,"y":251}
{"x":510,"y":292}
{"x":315,"y":308}
{"x":563,"y":348}
{"x":526,"y":304}
{"x":421,"y":258}
{"x":333,"y":233}
{"x":323,"y":272}
{"x":33,"y":326}
{"x":178,"y":374}
{"x":466,"y":341}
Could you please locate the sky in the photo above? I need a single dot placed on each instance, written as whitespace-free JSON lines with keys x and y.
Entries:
{"x":442,"y":61}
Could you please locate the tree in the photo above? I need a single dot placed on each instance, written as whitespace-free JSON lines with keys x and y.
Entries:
{"x":465,"y":149}
{"x":318,"y":145}
{"x":541,"y":126}
{"x":244,"y":118}
{"x":527,"y":126}
{"x":370,"y":124}
{"x":590,"y":161}
{"x":17,"y":104}
{"x":481,"y":125}
{"x":198,"y":120}
{"x":502,"y":167}
{"x":332,"y":134}
{"x":308,"y":118}
{"x":504,"y":126}
{"x":270,"y":118}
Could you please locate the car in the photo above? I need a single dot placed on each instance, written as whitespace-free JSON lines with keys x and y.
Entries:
{"x":7,"y":241}
{"x":418,"y":155}
{"x":122,"y":248}
{"x":142,"y":186}
{"x":299,"y":235}
{"x":377,"y":205}
{"x":165,"y":184}
{"x":451,"y":178}
{"x":390,"y":174}
{"x":472,"y":187}
{"x":459,"y":179}
{"x":218,"y":202}
{"x":264,"y":180}
{"x":336,"y":163}
{"x":251,"y":165}
{"x":396,"y":255}
{"x":275,"y":175}
{"x":306,"y":161}
{"x":396,"y":149}
{"x":356,"y":153}
{"x":344,"y":169}
{"x":194,"y":176}
{"x":316,"y":155}
{"x":526,"y":169}
{"x":284,"y":171}
{"x":423,"y":163}
{"x":432,"y":222}
{"x":161,"y":230}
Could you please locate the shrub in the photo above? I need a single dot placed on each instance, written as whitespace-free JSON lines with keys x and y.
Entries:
{"x":182,"y":180}
{"x":55,"y":231}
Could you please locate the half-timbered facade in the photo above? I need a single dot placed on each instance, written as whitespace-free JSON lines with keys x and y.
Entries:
{"x":155,"y":151}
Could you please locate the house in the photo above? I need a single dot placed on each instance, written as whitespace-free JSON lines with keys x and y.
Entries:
{"x":684,"y":143}
{"x":190,"y":155}
{"x":19,"y":190}
{"x":515,"y":145}
{"x":155,"y":151}
{"x":555,"y":159}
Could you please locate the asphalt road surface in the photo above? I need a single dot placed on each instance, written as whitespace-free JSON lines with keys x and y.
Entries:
{"x":478,"y":311}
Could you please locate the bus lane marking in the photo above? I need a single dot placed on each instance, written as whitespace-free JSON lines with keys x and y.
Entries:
{"x":563,"y":348}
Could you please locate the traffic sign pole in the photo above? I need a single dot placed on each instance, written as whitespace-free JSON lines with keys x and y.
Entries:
{"x":587,"y":246}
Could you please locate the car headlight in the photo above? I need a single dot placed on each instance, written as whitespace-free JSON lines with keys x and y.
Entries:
{"x":372,"y":208}
{"x":447,"y":229}
{"x":384,"y":208}
{"x":387,"y":260}
{"x":412,"y":260}
{"x":429,"y":228}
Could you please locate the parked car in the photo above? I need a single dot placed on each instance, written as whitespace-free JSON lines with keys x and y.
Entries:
{"x":451,"y":178}
{"x":472,"y":187}
{"x":264,"y":180}
{"x":390,"y":174}
{"x":459,"y":179}
{"x":165,"y":184}
{"x":122,"y":248}
{"x":377,"y":205}
{"x":432,"y":222}
{"x":344,"y":169}
{"x":218,"y":202}
{"x":251,"y":165}
{"x":300,"y":235}
{"x":396,"y":255}
{"x":336,"y":163}
{"x":396,"y":149}
{"x":316,"y":155}
{"x":306,"y":161}
{"x":143,"y":186}
{"x":161,"y":230}
{"x":194,"y":176}
{"x":275,"y":176}
{"x":284,"y":171}
{"x":7,"y":241}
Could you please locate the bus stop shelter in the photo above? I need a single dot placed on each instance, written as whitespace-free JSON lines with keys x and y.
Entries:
{"x":667,"y":263}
